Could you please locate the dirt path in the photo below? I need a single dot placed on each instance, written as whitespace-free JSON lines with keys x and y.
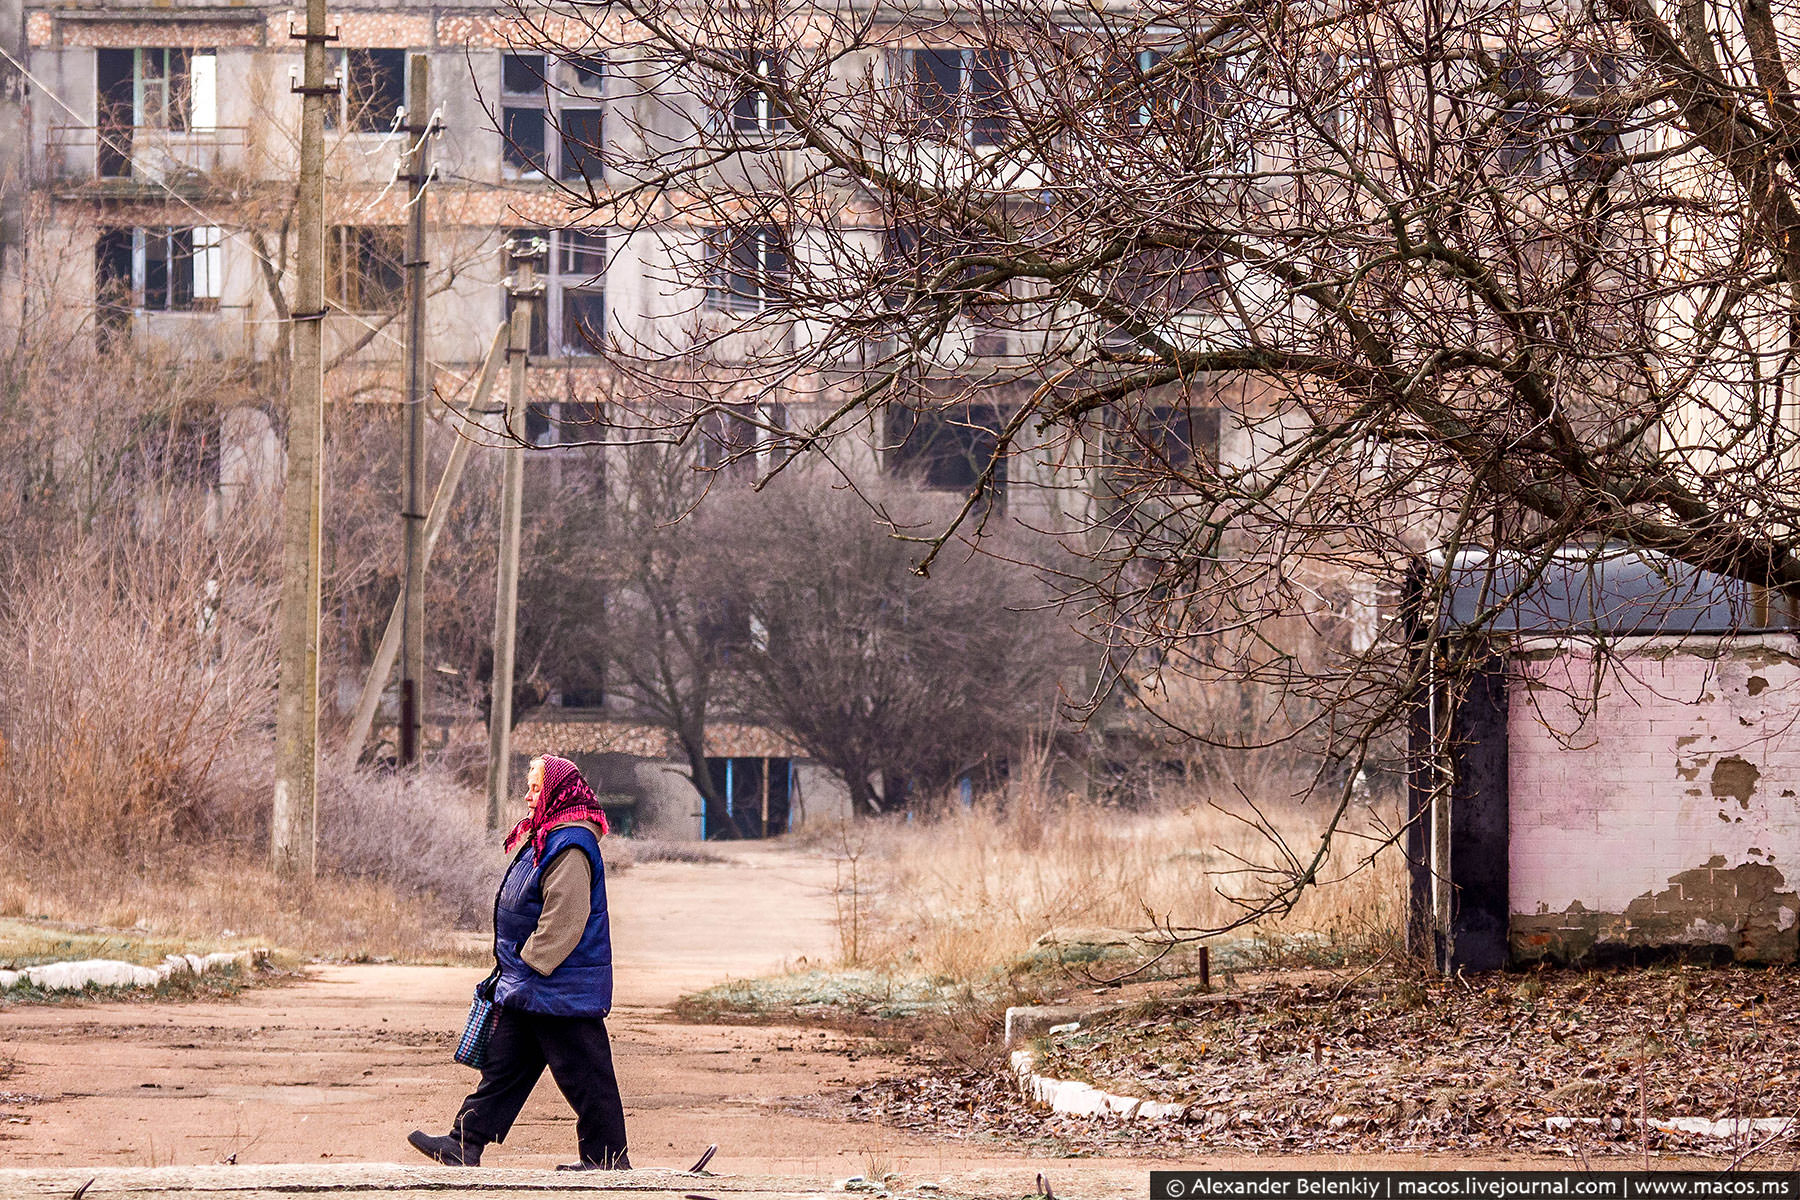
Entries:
{"x":339,"y":1067}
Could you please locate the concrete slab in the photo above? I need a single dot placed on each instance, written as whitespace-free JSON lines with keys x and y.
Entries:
{"x":355,"y":1181}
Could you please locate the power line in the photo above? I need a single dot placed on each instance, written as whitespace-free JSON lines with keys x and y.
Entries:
{"x":212,"y":221}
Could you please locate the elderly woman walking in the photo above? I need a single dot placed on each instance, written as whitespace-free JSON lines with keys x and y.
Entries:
{"x":553,"y":956}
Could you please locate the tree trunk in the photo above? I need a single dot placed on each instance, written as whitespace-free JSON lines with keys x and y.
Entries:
{"x":863,"y":800}
{"x":718,"y":818}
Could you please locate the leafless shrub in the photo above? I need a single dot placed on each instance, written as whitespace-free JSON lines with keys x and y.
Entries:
{"x":134,"y":671}
{"x":424,"y":834}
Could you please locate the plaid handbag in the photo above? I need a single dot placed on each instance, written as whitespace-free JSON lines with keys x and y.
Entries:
{"x":471,"y":1048}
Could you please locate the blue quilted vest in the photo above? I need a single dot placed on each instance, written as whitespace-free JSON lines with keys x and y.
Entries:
{"x":582,"y":986}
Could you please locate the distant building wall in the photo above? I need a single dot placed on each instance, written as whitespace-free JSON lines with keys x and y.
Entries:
{"x":1653,"y":798}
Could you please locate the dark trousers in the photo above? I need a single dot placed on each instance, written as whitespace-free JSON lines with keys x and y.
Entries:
{"x":580,"y":1060}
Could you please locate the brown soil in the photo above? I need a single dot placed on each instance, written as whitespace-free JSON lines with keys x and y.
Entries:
{"x":340,"y":1066}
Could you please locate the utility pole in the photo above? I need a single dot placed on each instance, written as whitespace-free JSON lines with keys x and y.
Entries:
{"x":293,"y":821}
{"x":525,"y":291}
{"x":363,"y":719}
{"x":412,"y":505}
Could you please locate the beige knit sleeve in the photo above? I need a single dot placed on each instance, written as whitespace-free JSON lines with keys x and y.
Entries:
{"x":568,"y":885}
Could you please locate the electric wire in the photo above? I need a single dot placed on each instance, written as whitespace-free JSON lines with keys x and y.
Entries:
{"x":380,"y":331}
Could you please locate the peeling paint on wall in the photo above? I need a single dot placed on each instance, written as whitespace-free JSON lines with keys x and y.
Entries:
{"x":1745,"y":911}
{"x":1623,"y":775}
{"x":1736,"y":778}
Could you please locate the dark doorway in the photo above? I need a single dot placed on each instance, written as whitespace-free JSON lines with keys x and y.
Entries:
{"x":756,"y":791}
{"x":115,"y":93}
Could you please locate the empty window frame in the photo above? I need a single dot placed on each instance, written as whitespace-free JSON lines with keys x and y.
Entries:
{"x":571,"y":321}
{"x":958,"y":94}
{"x":364,"y":269}
{"x":156,"y":270}
{"x":115,"y":255}
{"x":1147,"y":90}
{"x":1155,"y":286}
{"x":737,"y":441}
{"x":947,"y":449}
{"x":1520,"y":123}
{"x":552,"y":119}
{"x":371,"y":89}
{"x":753,"y":108}
{"x":746,"y":268}
{"x":172,"y":88}
{"x":1593,"y":141}
{"x":1159,"y":437}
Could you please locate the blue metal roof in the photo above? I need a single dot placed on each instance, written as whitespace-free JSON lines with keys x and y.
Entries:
{"x":1595,"y":590}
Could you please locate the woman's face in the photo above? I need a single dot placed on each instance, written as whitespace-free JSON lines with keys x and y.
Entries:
{"x":536,"y":780}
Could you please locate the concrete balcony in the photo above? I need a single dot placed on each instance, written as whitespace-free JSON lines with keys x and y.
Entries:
{"x":127,"y":161}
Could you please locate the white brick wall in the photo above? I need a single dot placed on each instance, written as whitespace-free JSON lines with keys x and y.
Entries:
{"x":1601,"y":811}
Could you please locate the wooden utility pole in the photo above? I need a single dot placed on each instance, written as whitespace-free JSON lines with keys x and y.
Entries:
{"x":525,"y":291}
{"x":418,"y":384}
{"x":293,"y":820}
{"x":363,"y":719}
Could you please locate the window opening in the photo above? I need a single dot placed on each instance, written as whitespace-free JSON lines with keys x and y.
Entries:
{"x":171,"y":88}
{"x":753,"y":109}
{"x":571,"y":320}
{"x":960,"y":93}
{"x":363,"y":267}
{"x":552,"y":122}
{"x":947,"y":449}
{"x":746,"y":268}
{"x":372,"y":89}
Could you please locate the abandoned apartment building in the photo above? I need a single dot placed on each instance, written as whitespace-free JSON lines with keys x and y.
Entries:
{"x":156,"y":157}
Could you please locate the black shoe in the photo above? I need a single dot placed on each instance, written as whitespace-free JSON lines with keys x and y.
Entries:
{"x":450,"y":1150}
{"x":620,"y":1162}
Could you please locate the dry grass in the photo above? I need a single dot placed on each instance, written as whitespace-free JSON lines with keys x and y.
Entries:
{"x":967,"y":894}
{"x":231,"y":900}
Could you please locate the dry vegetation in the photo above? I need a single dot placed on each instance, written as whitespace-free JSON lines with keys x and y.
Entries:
{"x":136,"y":689}
{"x":994,"y":890}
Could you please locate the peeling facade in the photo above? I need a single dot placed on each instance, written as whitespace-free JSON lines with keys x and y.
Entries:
{"x":1652,"y":798}
{"x":1584,"y":800}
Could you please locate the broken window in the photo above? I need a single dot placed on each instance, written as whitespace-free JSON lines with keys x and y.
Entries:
{"x":1154,"y":90}
{"x":1593,"y":140}
{"x":578,"y":287}
{"x":363,"y":267}
{"x":114,"y":253}
{"x":1167,"y":436}
{"x":1519,"y":124}
{"x":552,"y":121}
{"x":947,"y":449}
{"x":934,"y":260}
{"x":1156,"y":285}
{"x":571,"y":320}
{"x":753,"y":109}
{"x":155,"y":270}
{"x":958,"y":94}
{"x":165,"y":87}
{"x":371,"y":90}
{"x":747,"y":268}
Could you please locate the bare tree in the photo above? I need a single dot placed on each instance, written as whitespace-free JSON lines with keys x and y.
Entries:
{"x":1447,"y":274}
{"x":900,"y":685}
{"x":669,"y":602}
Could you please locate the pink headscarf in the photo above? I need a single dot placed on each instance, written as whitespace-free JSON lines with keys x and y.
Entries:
{"x":564,"y":796}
